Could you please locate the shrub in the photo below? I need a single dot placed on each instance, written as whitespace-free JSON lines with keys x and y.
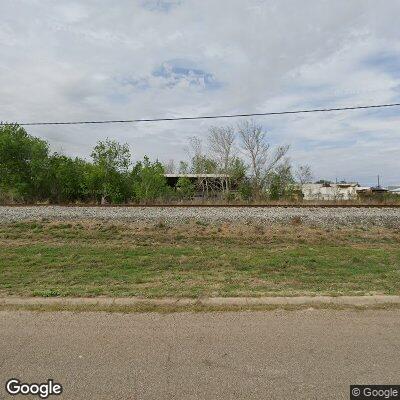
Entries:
{"x":185,"y":188}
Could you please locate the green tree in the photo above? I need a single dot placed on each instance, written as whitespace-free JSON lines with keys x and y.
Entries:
{"x":238,"y":180}
{"x":149,"y":182}
{"x":68,"y":178}
{"x":203,"y":165}
{"x":200,"y":163}
{"x":24,"y":164}
{"x":245,"y":190}
{"x":185,"y":188}
{"x":237,"y":171}
{"x":281,"y":181}
{"x":109,"y":179}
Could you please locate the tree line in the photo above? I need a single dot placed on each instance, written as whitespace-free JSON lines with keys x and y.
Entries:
{"x":254,"y":170}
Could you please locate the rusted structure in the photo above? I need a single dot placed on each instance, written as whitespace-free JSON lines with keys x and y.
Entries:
{"x":207,"y":185}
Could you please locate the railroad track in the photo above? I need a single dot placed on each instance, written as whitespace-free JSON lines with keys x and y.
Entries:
{"x":210,"y":205}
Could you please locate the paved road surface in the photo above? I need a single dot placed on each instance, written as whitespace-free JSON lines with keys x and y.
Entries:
{"x":251,"y":355}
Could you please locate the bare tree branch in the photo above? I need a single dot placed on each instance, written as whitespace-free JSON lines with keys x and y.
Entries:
{"x":304,"y":174}
{"x":255,"y":146}
{"x":221,"y":141}
{"x":169,"y":167}
{"x":201,"y":164}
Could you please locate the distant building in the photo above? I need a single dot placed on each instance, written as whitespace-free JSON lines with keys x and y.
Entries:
{"x":394,"y":189}
{"x":206,"y":184}
{"x":378,"y":190}
{"x":343,"y":191}
{"x":330,"y":191}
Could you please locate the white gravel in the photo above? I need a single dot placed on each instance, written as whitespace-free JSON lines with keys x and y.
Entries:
{"x":174,"y":215}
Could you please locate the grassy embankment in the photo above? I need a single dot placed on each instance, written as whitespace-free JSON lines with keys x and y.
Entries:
{"x":155,"y":260}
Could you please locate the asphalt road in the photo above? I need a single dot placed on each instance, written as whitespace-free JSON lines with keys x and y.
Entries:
{"x":249,"y":355}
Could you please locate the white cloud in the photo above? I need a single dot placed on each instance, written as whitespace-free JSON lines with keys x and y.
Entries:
{"x":83,"y":60}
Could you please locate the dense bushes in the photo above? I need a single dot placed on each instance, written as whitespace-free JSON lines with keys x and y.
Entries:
{"x":185,"y":188}
{"x":30,"y":173}
{"x":148,"y":181}
{"x":68,"y":179}
{"x":24,"y":164}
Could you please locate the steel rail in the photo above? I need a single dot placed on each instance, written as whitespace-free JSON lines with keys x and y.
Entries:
{"x":288,"y":205}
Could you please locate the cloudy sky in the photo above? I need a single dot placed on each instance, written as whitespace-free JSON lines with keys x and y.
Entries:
{"x":101,"y":59}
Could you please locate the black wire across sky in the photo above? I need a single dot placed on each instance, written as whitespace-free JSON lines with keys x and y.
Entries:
{"x":263,"y":114}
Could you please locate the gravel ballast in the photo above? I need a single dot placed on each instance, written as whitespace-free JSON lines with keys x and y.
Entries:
{"x":326,"y":217}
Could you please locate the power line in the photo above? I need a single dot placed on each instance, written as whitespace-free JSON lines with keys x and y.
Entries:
{"x":126,"y":121}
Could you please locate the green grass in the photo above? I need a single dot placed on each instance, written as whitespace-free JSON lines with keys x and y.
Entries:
{"x":86,"y":259}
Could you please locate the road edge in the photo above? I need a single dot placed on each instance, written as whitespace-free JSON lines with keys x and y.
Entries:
{"x":135,"y":304}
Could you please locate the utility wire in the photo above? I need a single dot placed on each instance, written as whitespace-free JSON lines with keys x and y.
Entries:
{"x":126,"y":121}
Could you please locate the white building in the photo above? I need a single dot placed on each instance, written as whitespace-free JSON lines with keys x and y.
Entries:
{"x":394,"y":189}
{"x":330,"y":191}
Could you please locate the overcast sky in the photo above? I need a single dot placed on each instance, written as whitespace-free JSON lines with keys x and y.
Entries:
{"x":101,"y":59}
